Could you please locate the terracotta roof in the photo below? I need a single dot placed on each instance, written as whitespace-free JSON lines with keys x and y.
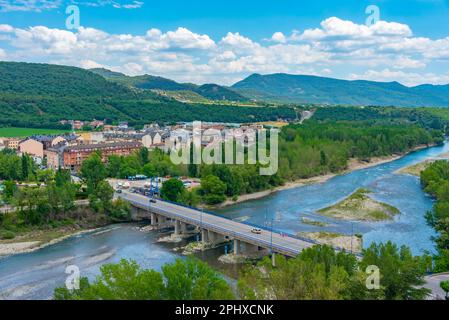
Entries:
{"x":104,"y":146}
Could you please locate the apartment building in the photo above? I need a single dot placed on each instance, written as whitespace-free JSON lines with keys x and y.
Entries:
{"x":74,"y":156}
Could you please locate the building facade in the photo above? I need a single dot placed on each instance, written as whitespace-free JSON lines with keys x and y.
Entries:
{"x":74,"y":156}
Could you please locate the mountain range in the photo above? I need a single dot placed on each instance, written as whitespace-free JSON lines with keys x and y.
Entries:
{"x":300,"y":89}
{"x":33,"y":94}
{"x":40,"y":95}
{"x":313,"y":89}
{"x":209,"y":91}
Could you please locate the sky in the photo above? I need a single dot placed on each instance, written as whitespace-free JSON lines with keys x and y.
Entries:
{"x":224,"y":41}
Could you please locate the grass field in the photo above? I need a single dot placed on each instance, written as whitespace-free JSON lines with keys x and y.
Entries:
{"x":25,"y":132}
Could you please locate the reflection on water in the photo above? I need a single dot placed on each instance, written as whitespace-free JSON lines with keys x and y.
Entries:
{"x":35,"y":275}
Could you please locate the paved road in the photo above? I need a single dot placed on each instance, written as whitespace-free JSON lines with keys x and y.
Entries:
{"x":241,"y":231}
{"x":433,"y":283}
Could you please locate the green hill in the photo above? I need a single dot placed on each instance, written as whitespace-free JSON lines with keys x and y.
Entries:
{"x":320,"y":90}
{"x":208,"y":91}
{"x":40,"y":95}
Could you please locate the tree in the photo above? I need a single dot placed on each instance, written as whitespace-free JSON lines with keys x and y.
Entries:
{"x":25,"y":167}
{"x":213,"y":189}
{"x":185,"y":279}
{"x":93,"y":171}
{"x":192,"y":279}
{"x":172,"y":190}
{"x":323,"y":158}
{"x":114,"y":165}
{"x":120,"y":211}
{"x":62,"y":177}
{"x":316,"y":273}
{"x":445,"y":286}
{"x":149,"y":170}
{"x":143,"y":156}
{"x":10,"y":189}
{"x":401,"y":272}
{"x":122,"y":281}
{"x":101,"y":199}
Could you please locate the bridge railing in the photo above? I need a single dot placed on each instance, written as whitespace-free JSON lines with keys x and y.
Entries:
{"x":249,"y":223}
{"x":294,"y":236}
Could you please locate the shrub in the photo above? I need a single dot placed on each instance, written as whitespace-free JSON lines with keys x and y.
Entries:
{"x":7,"y":235}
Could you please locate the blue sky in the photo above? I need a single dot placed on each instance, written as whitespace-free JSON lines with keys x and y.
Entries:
{"x":223,"y":41}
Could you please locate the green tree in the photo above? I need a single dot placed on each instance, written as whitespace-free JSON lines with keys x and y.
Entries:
{"x":10,"y":189}
{"x":185,"y":279}
{"x":191,"y":279}
{"x":213,"y":189}
{"x":445,"y":286}
{"x":25,"y":167}
{"x":114,"y":166}
{"x":62,"y":177}
{"x":316,"y":273}
{"x":149,"y":170}
{"x":144,"y":156}
{"x":120,"y":210}
{"x":101,"y":199}
{"x":172,"y":190}
{"x":401,"y":272}
{"x":93,"y":171}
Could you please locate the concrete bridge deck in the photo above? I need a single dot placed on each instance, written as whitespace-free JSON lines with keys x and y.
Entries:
{"x":237,"y":231}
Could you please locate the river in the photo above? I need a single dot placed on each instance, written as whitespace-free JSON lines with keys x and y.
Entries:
{"x":35,"y":275}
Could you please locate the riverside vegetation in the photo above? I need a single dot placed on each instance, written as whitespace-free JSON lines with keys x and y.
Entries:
{"x":435,"y":181}
{"x":308,"y":150}
{"x":316,"y":273}
{"x":44,"y":206}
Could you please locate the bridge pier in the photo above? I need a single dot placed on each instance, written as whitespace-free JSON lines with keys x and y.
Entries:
{"x":177,"y":227}
{"x":183,"y":227}
{"x":249,"y":248}
{"x":153,"y":219}
{"x":204,"y":236}
{"x":215,"y":238}
{"x":236,"y":246}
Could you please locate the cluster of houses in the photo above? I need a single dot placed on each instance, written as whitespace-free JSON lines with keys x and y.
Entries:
{"x":68,"y":151}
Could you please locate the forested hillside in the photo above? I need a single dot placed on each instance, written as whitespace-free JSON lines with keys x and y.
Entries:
{"x":209,"y":91}
{"x":40,"y":95}
{"x":312,"y":89}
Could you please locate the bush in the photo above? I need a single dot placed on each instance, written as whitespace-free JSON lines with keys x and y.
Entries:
{"x":7,"y":235}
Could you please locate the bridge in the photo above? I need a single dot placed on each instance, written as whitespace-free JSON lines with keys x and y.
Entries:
{"x":215,"y":229}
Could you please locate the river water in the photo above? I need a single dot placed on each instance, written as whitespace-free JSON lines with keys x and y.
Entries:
{"x":35,"y":275}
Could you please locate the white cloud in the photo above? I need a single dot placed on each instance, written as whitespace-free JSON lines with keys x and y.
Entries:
{"x":407,"y":78}
{"x":278,"y":37}
{"x":338,"y":48}
{"x":5,"y":28}
{"x":29,"y":5}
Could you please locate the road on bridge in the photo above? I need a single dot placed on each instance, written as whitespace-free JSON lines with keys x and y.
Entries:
{"x":235,"y":230}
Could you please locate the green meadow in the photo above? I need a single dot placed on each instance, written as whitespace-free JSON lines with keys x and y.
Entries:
{"x":25,"y":132}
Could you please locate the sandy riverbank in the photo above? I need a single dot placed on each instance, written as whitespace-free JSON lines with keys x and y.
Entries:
{"x":353,"y":165}
{"x":18,"y":247}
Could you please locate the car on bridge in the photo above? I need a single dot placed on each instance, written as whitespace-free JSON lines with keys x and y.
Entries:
{"x":256,"y":231}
